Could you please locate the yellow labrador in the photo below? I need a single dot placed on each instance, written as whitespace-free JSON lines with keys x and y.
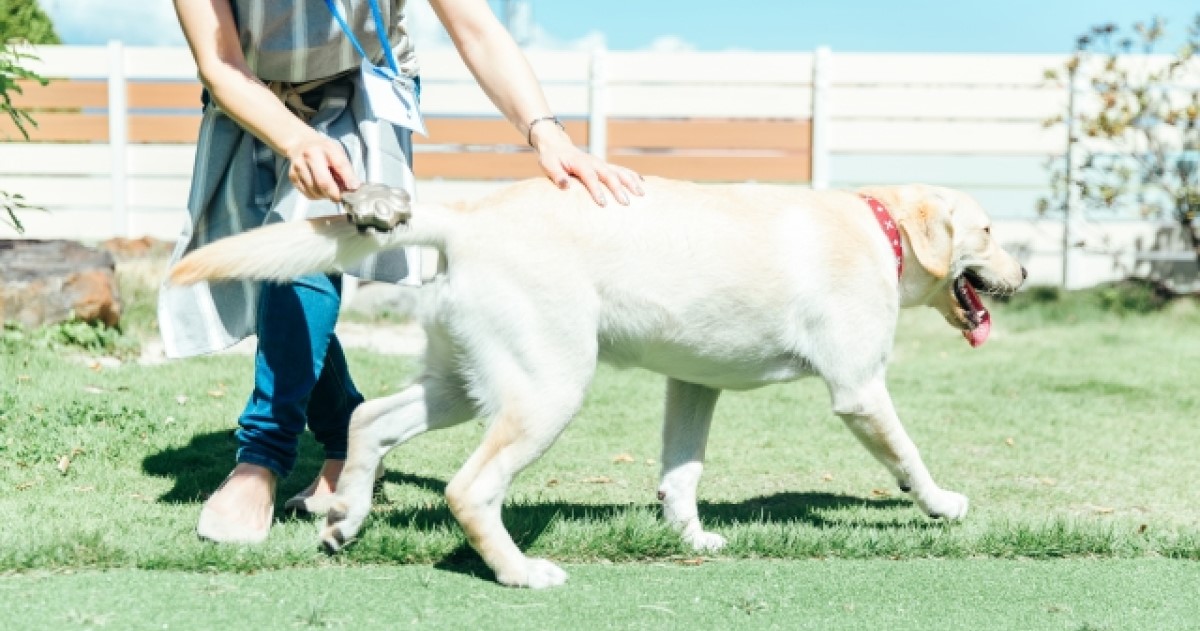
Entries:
{"x":716,"y":287}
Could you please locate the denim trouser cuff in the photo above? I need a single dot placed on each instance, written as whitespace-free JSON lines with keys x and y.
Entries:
{"x":246,"y":456}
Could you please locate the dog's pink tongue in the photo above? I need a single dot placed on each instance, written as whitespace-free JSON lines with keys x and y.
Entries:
{"x":978,"y":335}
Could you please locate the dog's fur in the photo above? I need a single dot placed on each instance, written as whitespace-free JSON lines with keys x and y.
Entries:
{"x":716,"y":287}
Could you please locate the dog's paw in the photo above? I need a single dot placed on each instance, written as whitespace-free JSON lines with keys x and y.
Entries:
{"x":704,"y":541}
{"x":337,"y":532}
{"x":943,"y":504}
{"x":333,"y":540}
{"x":534,"y":574}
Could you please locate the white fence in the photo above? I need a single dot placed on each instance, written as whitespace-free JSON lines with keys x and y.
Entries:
{"x":973,"y":122}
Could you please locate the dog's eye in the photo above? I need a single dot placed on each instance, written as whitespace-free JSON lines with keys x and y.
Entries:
{"x":988,"y":229}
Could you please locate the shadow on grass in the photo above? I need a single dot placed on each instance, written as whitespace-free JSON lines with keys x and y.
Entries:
{"x":527,"y":522}
{"x":200,"y":466}
{"x":789,"y":507}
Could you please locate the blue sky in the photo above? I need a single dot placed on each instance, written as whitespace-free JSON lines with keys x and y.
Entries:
{"x":1033,"y":26}
{"x":1040,"y":26}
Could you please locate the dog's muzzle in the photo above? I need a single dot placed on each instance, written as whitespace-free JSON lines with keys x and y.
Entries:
{"x":377,"y":206}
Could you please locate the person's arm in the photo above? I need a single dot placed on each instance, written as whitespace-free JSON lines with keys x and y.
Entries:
{"x":505,"y":75}
{"x":319,"y":165}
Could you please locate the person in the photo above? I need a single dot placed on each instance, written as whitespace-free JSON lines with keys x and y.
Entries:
{"x":287,"y":128}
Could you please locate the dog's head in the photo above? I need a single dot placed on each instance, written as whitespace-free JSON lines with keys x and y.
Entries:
{"x":949,"y":237}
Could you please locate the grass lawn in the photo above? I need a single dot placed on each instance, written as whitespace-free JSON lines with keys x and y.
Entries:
{"x":1073,"y":431}
{"x":922,"y":594}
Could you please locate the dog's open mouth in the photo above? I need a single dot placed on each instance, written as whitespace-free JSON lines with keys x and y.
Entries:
{"x":977,"y":319}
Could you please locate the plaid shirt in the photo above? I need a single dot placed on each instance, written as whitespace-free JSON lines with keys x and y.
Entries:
{"x":239,"y":183}
{"x":298,"y":40}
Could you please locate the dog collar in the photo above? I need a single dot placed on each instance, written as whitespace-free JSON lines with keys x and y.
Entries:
{"x":889,"y":228}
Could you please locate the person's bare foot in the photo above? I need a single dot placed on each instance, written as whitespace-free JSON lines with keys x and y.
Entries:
{"x":318,"y":497}
{"x":241,"y":509}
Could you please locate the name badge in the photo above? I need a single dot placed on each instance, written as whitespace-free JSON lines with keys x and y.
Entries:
{"x":392,"y":97}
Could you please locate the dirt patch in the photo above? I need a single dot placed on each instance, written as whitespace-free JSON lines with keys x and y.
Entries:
{"x":388,"y":339}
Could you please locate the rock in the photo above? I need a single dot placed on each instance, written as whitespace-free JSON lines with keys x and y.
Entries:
{"x":44,"y":282}
{"x":123,"y":249}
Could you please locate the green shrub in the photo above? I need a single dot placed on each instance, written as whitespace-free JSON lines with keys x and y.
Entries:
{"x":95,"y":338}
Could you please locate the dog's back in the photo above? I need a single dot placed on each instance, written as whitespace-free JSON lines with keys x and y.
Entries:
{"x":688,"y":281}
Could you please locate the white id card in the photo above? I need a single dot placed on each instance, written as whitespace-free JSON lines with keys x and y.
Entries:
{"x":392,"y":99}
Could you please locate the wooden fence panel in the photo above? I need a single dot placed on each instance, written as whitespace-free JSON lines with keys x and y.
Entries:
{"x":733,"y":135}
{"x":69,"y":111}
{"x":704,"y":150}
{"x":60,"y":95}
{"x":166,"y":95}
{"x":486,"y":131}
{"x":457,"y":147}
{"x":700,"y":116}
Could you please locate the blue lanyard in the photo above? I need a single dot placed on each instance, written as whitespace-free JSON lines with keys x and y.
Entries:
{"x":380,"y":30}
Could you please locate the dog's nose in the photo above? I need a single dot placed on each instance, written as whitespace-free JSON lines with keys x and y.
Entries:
{"x":1024,"y":273}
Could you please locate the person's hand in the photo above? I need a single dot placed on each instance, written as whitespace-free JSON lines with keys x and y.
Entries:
{"x":561,"y":160}
{"x":320,"y":168}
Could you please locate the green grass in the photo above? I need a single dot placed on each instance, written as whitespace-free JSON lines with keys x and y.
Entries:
{"x":1071,"y":595}
{"x":1073,"y":431}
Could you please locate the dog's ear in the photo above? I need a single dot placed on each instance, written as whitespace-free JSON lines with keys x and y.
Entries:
{"x":930,"y":231}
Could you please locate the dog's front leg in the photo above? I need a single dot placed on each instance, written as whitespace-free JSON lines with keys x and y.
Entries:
{"x":685,"y":434}
{"x":376,"y":427}
{"x":868,"y":412}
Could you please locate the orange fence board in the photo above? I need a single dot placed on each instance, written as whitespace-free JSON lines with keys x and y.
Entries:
{"x":165,"y":95}
{"x":88,"y":128}
{"x":65,"y":95}
{"x":722,"y":168}
{"x":782,"y":135}
{"x":60,"y":127}
{"x":476,"y":166}
{"x":697,"y":149}
{"x":486,"y":131}
{"x":165,"y":128}
{"x":73,"y":95}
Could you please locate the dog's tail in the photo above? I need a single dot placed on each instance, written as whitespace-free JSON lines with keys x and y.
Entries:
{"x":285,"y":251}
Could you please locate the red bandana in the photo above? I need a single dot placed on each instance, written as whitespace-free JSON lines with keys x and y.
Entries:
{"x":889,"y":228}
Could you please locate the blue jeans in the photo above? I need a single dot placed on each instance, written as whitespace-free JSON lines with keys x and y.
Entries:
{"x":300,"y":376}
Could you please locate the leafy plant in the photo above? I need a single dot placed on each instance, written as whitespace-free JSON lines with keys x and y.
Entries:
{"x":93,"y":338}
{"x":24,"y":20}
{"x":12,"y":71}
{"x":11,"y":203}
{"x":1137,"y":126}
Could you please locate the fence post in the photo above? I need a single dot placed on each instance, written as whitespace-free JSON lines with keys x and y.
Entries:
{"x":821,"y":84}
{"x":598,"y":105}
{"x":118,"y":136}
{"x":1072,"y":210}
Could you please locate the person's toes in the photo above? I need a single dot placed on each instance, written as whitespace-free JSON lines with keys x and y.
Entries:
{"x":239,"y":527}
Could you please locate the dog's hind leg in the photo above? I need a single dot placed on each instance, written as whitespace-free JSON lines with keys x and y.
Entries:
{"x":434,"y":402}
{"x":532,"y":413}
{"x":688,"y":416}
{"x":868,"y":411}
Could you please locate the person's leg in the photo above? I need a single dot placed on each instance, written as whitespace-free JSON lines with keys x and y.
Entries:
{"x":333,"y":401}
{"x":295,"y":329}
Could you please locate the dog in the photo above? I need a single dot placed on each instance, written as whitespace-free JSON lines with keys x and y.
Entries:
{"x":717,"y":287}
